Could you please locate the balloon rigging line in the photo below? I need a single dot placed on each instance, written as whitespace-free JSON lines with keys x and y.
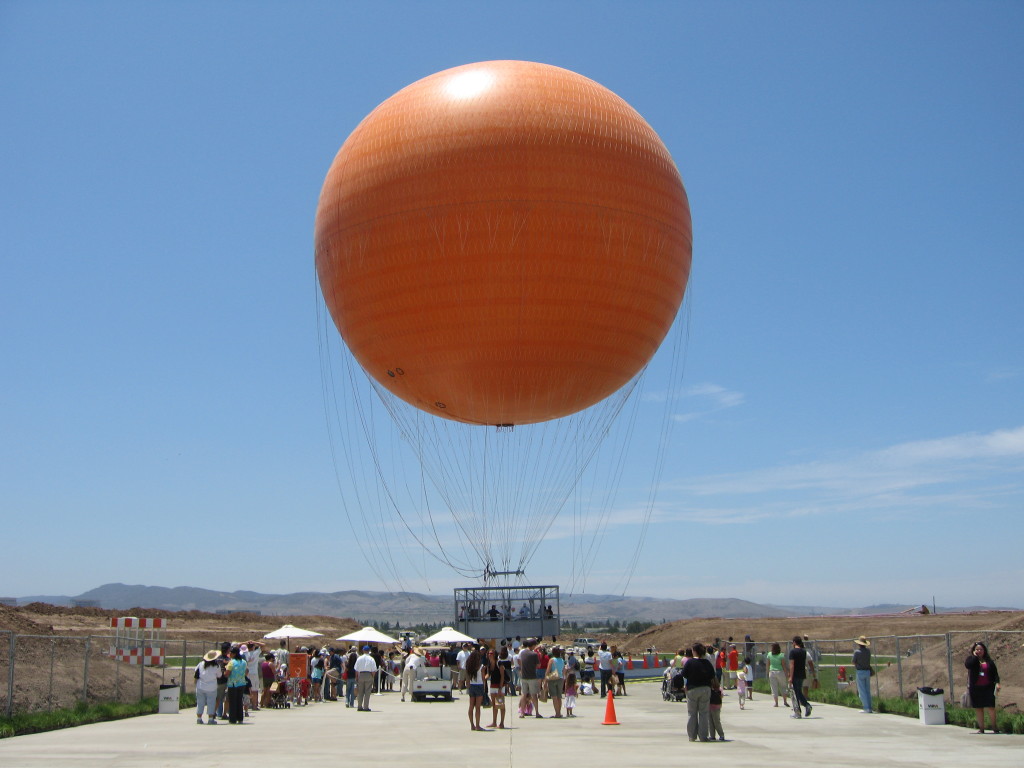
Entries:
{"x":489,"y":522}
{"x":676,"y":371}
{"x":330,"y":394}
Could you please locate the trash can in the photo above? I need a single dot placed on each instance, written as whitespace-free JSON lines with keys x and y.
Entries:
{"x":169,"y":700}
{"x":930,"y":706}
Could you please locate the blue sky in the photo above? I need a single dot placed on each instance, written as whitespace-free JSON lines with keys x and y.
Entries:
{"x":849,"y":425}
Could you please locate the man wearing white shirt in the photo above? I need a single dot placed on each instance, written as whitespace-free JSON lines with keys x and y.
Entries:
{"x":413,"y":662}
{"x":253,"y":657}
{"x":604,"y":664}
{"x":461,"y":658}
{"x":516,"y":667}
{"x":366,"y":668}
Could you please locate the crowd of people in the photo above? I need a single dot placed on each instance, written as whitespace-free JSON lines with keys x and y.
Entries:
{"x":535,"y":672}
{"x":237,"y":679}
{"x":704,"y":672}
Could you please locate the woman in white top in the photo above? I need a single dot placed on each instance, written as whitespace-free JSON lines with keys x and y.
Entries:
{"x":476,"y":672}
{"x":207,"y":672}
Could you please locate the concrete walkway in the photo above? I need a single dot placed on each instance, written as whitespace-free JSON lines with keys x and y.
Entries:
{"x":429,"y":734}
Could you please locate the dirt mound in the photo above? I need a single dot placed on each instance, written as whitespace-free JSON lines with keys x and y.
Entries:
{"x":43,"y":618}
{"x":14,"y":620}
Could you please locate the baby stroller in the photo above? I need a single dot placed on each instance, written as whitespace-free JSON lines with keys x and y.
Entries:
{"x":672,"y":686}
{"x":279,"y":695}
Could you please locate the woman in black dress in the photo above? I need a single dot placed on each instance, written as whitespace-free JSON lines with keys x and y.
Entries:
{"x":982,"y":685}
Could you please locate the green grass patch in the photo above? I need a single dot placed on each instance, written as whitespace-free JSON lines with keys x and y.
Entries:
{"x":174,"y":662}
{"x":1006,"y":722}
{"x":846,"y":660}
{"x":81,"y":714}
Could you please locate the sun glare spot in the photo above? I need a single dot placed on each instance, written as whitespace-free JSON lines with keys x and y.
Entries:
{"x":466,"y":85}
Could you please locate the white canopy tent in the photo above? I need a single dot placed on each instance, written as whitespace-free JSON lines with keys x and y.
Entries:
{"x":368,"y":635}
{"x":287,"y":632}
{"x":447,"y":635}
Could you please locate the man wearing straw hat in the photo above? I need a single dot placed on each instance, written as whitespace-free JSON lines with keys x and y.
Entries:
{"x":862,"y":663}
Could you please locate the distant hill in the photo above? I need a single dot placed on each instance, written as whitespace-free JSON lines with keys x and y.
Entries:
{"x":413,"y":607}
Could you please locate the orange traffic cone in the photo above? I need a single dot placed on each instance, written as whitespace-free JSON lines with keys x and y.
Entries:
{"x":609,"y":710}
{"x":657,"y":661}
{"x":629,"y":662}
{"x":645,"y":661}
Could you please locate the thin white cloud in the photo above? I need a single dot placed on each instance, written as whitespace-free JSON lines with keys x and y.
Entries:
{"x":1005,"y":374}
{"x":704,"y":399}
{"x":927,"y":477}
{"x":1000,"y":444}
{"x":900,"y":467}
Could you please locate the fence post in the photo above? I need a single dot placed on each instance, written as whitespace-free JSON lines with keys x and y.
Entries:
{"x":835,"y":666}
{"x":184,"y":651}
{"x":878,"y":681}
{"x":949,"y":663}
{"x":142,"y":674}
{"x":85,"y":676}
{"x":10,"y":678}
{"x":899,"y":666}
{"x":920,"y":652}
{"x":49,"y":691}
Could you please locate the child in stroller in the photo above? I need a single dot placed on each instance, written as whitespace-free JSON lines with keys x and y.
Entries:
{"x":672,"y":685}
{"x":279,"y":695}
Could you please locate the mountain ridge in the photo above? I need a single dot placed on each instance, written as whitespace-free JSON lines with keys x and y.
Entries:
{"x":414,"y":607}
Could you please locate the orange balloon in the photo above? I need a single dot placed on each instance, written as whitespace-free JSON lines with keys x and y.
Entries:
{"x":503,"y":243}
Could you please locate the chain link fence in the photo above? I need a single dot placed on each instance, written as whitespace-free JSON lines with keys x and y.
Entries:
{"x":902,"y":663}
{"x":44,"y":672}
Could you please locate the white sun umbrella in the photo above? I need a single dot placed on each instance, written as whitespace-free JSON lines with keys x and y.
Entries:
{"x":287,"y":632}
{"x":368,"y":635}
{"x":447,"y":635}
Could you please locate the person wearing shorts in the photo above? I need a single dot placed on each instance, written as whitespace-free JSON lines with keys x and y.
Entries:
{"x":496,"y":682}
{"x":528,"y":662}
{"x":587,"y":675}
{"x":461,"y":661}
{"x":556,"y":679}
{"x":476,"y":671}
